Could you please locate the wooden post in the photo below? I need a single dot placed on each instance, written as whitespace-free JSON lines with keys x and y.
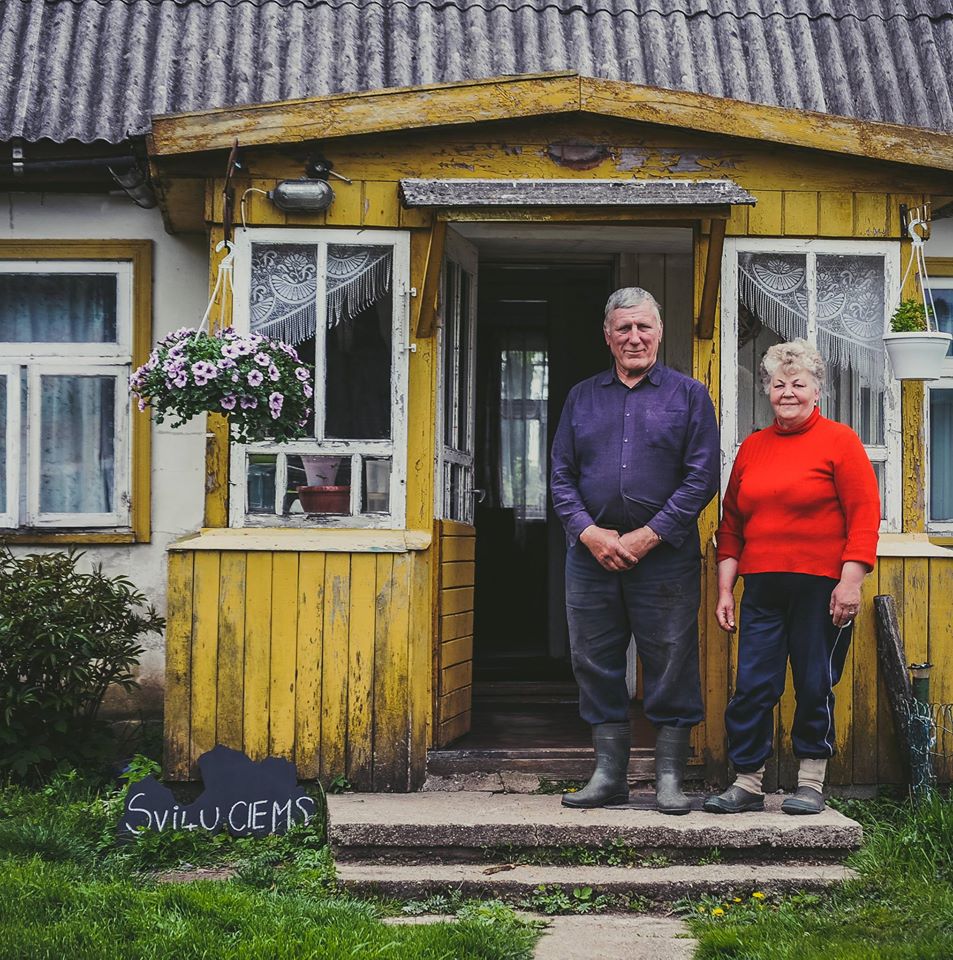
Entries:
{"x":705,"y":326}
{"x":893,"y":668}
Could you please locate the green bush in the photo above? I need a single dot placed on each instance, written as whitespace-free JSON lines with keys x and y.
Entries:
{"x":909,"y":317}
{"x":65,"y":637}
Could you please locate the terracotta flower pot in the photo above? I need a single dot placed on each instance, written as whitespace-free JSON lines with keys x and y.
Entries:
{"x":325,"y":499}
{"x":917,"y":356}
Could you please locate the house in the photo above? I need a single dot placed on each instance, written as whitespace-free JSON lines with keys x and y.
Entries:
{"x":504,"y":167}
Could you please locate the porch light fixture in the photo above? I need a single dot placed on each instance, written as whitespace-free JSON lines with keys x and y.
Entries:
{"x":302,"y":196}
{"x":311,"y":194}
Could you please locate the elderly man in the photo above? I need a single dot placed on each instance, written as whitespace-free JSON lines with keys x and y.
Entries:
{"x":635,"y":460}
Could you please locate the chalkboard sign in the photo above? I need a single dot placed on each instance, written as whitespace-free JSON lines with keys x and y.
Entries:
{"x":248,"y":798}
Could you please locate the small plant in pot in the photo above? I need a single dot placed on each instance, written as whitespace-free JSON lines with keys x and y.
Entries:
{"x":916,"y":352}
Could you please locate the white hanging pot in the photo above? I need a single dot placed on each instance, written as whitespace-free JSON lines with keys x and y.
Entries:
{"x":918,"y":355}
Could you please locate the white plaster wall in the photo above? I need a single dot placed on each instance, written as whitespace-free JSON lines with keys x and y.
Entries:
{"x":180,"y":292}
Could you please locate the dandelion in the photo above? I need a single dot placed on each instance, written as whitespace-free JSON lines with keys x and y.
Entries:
{"x":255,"y":378}
{"x":757,"y":896}
{"x":718,"y":912}
{"x":736,"y":900}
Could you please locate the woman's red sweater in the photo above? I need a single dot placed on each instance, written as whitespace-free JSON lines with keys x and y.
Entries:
{"x":801,"y":501}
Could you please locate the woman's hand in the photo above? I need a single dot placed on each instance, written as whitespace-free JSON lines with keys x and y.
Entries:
{"x":725,"y":611}
{"x":725,"y":607}
{"x":845,"y":600}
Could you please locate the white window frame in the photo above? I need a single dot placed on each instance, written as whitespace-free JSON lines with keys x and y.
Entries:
{"x":9,"y":517}
{"x":465,"y":256}
{"x":100,"y":359}
{"x":394,"y":449}
{"x":944,"y":383}
{"x":892,"y":448}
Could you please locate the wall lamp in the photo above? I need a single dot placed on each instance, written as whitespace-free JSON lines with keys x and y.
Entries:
{"x":310,"y":194}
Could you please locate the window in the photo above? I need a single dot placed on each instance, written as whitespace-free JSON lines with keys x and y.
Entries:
{"x":939,"y":396}
{"x":74,"y":316}
{"x":457,"y":345}
{"x":340,"y":298}
{"x":835,"y":294}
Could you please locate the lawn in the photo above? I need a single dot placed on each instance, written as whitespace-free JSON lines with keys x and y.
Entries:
{"x":68,"y":891}
{"x":900,"y":907}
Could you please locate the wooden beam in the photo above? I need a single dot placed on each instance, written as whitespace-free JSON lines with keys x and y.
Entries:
{"x":377,"y":111}
{"x":706,"y":312}
{"x":502,"y":98}
{"x":755,"y":121}
{"x":430,"y":290}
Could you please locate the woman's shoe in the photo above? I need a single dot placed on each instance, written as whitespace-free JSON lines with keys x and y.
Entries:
{"x":734,"y":800}
{"x":804,"y":800}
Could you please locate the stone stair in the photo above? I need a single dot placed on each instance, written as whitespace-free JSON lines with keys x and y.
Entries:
{"x":507,"y":845}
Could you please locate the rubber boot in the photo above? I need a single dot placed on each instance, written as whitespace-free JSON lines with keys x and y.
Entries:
{"x":671,"y":752}
{"x":609,"y":781}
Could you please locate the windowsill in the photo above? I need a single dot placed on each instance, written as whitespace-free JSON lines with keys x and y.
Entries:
{"x":912,"y":545}
{"x":307,"y":541}
{"x":66,"y":537}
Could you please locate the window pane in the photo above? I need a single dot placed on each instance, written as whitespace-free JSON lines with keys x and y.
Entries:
{"x":524,"y":375}
{"x":77,"y":441}
{"x":943,"y":303}
{"x":772,"y":307}
{"x":941,"y":454}
{"x":463,"y":387}
{"x":376,"y":493}
{"x":880,"y":474}
{"x":3,"y":444}
{"x":850,"y":326}
{"x":451,"y":342}
{"x":58,"y":307}
{"x":262,"y":469}
{"x":359,"y":339}
{"x":327,"y":486}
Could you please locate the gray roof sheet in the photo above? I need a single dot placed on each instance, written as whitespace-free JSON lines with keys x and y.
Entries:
{"x":92,"y":70}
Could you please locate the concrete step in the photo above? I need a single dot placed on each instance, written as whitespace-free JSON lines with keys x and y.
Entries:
{"x":520,"y":881}
{"x":439,"y":826}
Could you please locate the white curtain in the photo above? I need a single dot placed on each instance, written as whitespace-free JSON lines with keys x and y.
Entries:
{"x":57,"y":307}
{"x":77,"y":444}
{"x":284,"y":285}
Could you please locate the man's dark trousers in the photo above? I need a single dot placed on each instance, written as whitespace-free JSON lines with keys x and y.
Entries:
{"x":785,"y":615}
{"x":657,"y":603}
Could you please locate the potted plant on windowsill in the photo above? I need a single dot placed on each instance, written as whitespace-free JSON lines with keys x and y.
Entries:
{"x":916,"y":351}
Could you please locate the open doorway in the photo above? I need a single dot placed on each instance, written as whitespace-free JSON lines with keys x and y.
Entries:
{"x":541,"y":290}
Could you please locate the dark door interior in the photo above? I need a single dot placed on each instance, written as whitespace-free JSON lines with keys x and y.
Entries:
{"x":539,"y":333}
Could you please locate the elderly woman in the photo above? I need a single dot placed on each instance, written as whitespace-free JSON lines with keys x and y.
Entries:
{"x":800,"y":523}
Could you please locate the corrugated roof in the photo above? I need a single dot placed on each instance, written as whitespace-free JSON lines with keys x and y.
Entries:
{"x":100,"y":69}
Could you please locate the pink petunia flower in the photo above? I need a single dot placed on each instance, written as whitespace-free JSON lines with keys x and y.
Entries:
{"x":308,"y":392}
{"x":262,"y":359}
{"x":249,"y":403}
{"x":228,"y":403}
{"x":303,"y":374}
{"x":274,"y":374}
{"x":255,"y":377}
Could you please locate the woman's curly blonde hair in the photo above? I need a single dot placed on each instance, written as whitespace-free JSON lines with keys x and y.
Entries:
{"x":797,"y":356}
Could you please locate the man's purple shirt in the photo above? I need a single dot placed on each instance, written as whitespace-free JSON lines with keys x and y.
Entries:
{"x":625,"y":457}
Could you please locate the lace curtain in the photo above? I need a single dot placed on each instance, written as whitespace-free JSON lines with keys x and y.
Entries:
{"x":849,"y":299}
{"x":284,"y":282}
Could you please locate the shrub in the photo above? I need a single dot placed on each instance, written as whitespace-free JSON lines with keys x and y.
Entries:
{"x":65,"y":637}
{"x":909,"y":317}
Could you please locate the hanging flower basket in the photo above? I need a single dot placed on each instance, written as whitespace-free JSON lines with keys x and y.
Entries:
{"x":917,"y":355}
{"x":257,"y":382}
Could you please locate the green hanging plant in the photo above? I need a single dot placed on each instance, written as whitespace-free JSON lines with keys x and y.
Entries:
{"x":909,"y":317}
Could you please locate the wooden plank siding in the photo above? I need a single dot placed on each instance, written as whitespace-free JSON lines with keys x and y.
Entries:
{"x":454,"y":657}
{"x":354,"y":664}
{"x":306,"y":656}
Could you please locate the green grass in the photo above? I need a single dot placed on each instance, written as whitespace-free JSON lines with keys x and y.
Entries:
{"x":68,"y":891}
{"x":900,"y":907}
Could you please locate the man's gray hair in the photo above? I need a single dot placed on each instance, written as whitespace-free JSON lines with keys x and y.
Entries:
{"x":792,"y":358}
{"x":630,"y":297}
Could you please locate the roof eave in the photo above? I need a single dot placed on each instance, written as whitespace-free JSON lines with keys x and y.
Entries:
{"x":531,"y":95}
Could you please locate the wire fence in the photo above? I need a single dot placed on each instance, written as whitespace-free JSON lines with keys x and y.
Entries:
{"x":930,"y":734}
